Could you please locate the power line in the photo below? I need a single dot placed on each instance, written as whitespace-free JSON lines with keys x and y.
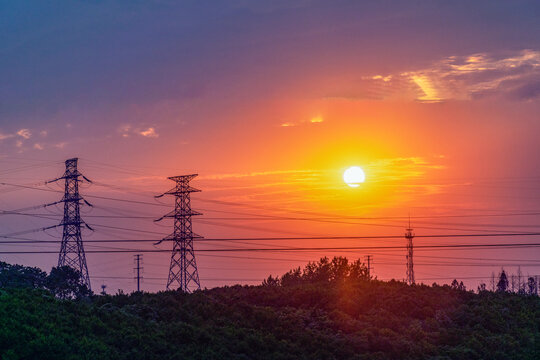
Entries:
{"x":277,"y":217}
{"x":316,"y":237}
{"x":448,"y":246}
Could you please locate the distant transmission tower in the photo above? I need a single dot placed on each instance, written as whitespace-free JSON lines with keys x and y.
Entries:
{"x":409,"y":235}
{"x":71,"y":249}
{"x":183,"y":268}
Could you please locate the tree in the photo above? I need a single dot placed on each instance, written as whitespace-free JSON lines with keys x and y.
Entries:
{"x":481,"y":287}
{"x":66,"y":283}
{"x":21,"y":276}
{"x":531,"y":285}
{"x":323,"y":271}
{"x":458,"y":285}
{"x":271,"y":281}
{"x":502,"y":285}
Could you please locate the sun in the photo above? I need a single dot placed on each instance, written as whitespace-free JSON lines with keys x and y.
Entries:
{"x":354,"y":176}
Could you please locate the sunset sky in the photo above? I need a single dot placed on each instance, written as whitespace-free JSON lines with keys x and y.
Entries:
{"x":269,"y":102}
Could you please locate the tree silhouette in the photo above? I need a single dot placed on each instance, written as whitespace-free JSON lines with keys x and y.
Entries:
{"x":502,"y":285}
{"x":323,"y":271}
{"x":481,"y":287}
{"x":66,"y":283}
{"x":531,"y":285}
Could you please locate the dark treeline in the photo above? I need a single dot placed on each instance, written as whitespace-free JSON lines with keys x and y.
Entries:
{"x":331,"y":309}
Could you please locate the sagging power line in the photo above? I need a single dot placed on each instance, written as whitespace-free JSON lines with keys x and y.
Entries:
{"x":278,"y":217}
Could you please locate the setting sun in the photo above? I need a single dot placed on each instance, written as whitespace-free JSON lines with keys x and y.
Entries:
{"x":354,"y":176}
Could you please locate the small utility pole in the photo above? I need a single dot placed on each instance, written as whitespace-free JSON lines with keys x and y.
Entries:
{"x":368,"y":261}
{"x":138,"y":268}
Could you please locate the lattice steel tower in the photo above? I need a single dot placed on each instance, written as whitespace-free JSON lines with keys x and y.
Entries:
{"x":72,"y":250}
{"x":183,"y":268}
{"x":409,"y":235}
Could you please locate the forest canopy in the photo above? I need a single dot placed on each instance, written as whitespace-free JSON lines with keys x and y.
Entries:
{"x":330,"y":309}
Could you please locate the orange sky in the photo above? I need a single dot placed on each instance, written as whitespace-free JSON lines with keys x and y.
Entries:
{"x":269,"y":104}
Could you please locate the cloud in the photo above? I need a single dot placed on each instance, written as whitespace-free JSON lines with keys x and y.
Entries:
{"x":424,"y":83}
{"x":38,"y":146}
{"x":513,"y":76}
{"x":480,"y":75}
{"x":24,"y":133}
{"x":150,"y":132}
{"x":313,"y":120}
{"x":5,"y":136}
{"x":126,"y":130}
{"x":253,"y":174}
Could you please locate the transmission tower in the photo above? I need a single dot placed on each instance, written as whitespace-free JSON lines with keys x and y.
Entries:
{"x":183,"y":268}
{"x":71,"y":249}
{"x":409,"y":235}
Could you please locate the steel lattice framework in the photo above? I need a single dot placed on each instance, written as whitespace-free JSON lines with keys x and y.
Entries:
{"x":409,"y":235}
{"x":183,"y":268}
{"x":71,"y":249}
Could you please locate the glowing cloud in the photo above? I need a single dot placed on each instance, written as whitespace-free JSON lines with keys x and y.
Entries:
{"x":150,"y":132}
{"x":424,"y":83}
{"x":24,"y":133}
{"x":514,"y":76}
{"x":5,"y":136}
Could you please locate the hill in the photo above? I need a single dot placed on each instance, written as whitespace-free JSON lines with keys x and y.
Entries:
{"x":330,"y":310}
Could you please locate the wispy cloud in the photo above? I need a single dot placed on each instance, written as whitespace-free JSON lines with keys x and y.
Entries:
{"x":253,"y":174}
{"x":150,"y":132}
{"x":126,"y":130}
{"x":479,"y":75}
{"x":24,"y":133}
{"x":314,"y":120}
{"x":430,"y":93}
{"x":513,"y":76}
{"x":5,"y":136}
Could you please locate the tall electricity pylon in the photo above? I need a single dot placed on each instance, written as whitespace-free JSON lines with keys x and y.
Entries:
{"x":71,"y":249}
{"x":183,"y":268}
{"x":409,"y":235}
